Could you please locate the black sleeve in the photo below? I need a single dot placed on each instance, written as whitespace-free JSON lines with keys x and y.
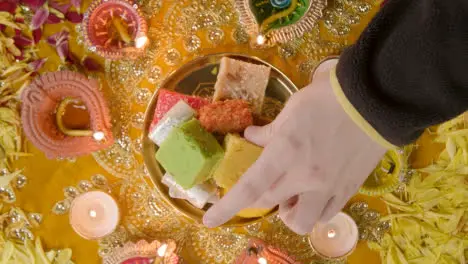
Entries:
{"x":409,"y":69}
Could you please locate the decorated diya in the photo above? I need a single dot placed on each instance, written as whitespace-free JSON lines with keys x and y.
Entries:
{"x":115,"y":29}
{"x":143,"y":252}
{"x":387,"y":176}
{"x":46,"y":106}
{"x":278,"y":21}
{"x":258,"y":252}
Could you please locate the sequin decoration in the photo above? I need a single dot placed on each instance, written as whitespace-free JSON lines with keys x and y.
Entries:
{"x":17,"y":224}
{"x":61,"y":207}
{"x":240,"y":36}
{"x":138,"y":119}
{"x":115,"y":240}
{"x":215,"y":35}
{"x":288,"y":50}
{"x":142,"y":96}
{"x":172,"y":57}
{"x":155,"y":74}
{"x":71,"y":192}
{"x":138,"y":145}
{"x":20,"y":181}
{"x":192,"y":43}
{"x":344,"y":14}
{"x":368,"y":221}
{"x":97,"y":182}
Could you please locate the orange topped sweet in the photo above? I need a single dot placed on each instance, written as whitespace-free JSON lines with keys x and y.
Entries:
{"x":230,"y":116}
{"x":43,"y":104}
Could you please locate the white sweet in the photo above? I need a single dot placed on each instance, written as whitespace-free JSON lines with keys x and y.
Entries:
{"x":198,"y":195}
{"x":178,"y":114}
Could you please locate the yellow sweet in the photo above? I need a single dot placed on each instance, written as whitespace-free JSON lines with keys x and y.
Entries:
{"x":249,"y":212}
{"x":239,"y":156}
{"x":253,"y":212}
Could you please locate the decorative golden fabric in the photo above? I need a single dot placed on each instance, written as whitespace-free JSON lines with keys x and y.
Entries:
{"x":178,"y":31}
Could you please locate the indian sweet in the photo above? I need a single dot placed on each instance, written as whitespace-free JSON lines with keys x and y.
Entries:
{"x":177,"y":115}
{"x":167,"y":99}
{"x":226,"y":116}
{"x":189,"y":154}
{"x":242,"y":80}
{"x":239,"y":155}
{"x":199,"y":195}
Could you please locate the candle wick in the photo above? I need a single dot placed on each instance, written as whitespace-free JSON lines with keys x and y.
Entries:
{"x":331,"y":233}
{"x":92,"y":213}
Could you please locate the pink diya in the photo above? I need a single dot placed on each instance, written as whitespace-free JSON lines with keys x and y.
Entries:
{"x":258,"y":252}
{"x":43,"y":106}
{"x":115,"y":29}
{"x":143,"y":253}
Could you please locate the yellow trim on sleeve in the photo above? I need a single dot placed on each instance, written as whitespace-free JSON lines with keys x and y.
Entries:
{"x":354,"y":114}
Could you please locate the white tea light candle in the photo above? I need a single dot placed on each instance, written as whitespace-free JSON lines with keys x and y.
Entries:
{"x":94,"y":215}
{"x":335,"y":239}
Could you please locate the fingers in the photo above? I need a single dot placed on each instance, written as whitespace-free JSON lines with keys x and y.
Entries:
{"x":284,"y":188}
{"x":302,"y":217}
{"x":336,"y":204}
{"x":249,"y":188}
{"x":260,"y":136}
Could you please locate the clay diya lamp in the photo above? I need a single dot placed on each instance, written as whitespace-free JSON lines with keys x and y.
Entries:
{"x":258,"y":252}
{"x":115,"y":29}
{"x":269,"y":22}
{"x":44,"y":106}
{"x":143,"y":252}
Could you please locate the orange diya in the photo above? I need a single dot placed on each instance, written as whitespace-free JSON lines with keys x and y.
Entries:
{"x":143,"y":252}
{"x":48,"y":99}
{"x":258,"y":252}
{"x":115,"y":29}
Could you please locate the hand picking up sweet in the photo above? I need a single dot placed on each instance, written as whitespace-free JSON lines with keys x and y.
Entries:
{"x":314,"y":159}
{"x":199,"y":169}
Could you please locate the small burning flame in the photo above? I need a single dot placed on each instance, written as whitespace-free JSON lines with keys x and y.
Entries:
{"x":262,"y":261}
{"x":261,"y":39}
{"x":98,"y":136}
{"x":331,"y":233}
{"x":141,"y":41}
{"x":92,"y":213}
{"x":162,"y":250}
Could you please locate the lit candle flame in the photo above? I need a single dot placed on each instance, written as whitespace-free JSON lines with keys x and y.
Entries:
{"x":98,"y":136}
{"x":92,"y":213}
{"x":331,"y":233}
{"x":261,"y":39}
{"x":141,"y":41}
{"x":162,"y":250}
{"x":262,"y":261}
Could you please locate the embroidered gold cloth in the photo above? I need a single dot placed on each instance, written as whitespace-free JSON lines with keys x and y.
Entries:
{"x":178,"y":31}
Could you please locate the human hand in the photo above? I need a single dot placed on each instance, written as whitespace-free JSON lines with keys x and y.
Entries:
{"x":314,"y":159}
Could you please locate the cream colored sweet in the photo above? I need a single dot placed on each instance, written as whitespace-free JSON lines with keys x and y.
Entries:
{"x":242,"y":80}
{"x":199,"y":195}
{"x":180,"y":113}
{"x":189,"y":154}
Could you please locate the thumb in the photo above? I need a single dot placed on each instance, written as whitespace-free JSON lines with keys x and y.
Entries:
{"x":259,"y":135}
